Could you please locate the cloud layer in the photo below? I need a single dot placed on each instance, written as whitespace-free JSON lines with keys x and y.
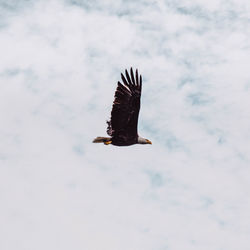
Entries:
{"x":60,"y":61}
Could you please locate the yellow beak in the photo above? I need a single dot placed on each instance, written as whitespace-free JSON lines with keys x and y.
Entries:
{"x":149,"y":142}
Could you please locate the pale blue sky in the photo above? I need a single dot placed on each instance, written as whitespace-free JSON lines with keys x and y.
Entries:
{"x":60,"y":62}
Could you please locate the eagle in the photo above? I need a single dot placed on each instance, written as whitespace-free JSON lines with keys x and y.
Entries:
{"x":122,"y":127}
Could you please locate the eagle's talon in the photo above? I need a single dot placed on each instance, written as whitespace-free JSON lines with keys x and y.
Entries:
{"x":107,"y":142}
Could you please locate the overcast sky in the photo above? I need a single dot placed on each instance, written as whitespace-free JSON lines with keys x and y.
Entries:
{"x":59,"y":65}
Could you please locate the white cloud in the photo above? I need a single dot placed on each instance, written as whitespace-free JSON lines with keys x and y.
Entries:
{"x":60,"y":61}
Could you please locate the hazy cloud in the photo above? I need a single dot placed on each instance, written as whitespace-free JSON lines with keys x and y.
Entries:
{"x":60,"y":61}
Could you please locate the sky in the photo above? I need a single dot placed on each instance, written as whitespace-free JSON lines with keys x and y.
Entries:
{"x":60,"y":63}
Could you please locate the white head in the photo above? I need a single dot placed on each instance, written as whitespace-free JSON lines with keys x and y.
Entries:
{"x":143,"y":141}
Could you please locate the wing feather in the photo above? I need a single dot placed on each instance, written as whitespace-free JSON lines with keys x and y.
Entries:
{"x":128,"y":78}
{"x":126,"y":107}
{"x":137,"y":78}
{"x":132,"y":76}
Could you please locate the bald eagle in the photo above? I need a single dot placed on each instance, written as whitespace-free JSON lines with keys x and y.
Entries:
{"x":122,"y":127}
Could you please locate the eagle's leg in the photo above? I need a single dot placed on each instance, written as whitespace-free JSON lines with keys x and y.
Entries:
{"x":107,"y":142}
{"x":100,"y":139}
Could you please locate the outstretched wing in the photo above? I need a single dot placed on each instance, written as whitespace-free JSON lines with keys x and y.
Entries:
{"x":126,"y":107}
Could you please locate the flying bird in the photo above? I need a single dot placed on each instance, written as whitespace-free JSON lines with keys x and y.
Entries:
{"x":122,"y":127}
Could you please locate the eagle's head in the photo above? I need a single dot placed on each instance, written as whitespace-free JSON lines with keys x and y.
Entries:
{"x":142,"y":140}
